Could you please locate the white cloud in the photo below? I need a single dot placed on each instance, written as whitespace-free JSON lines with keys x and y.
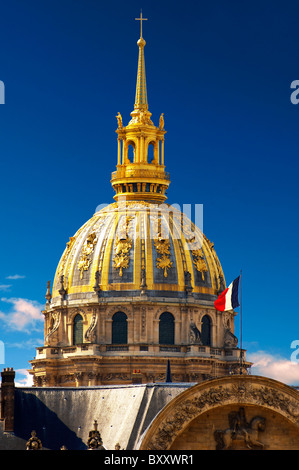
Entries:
{"x":31,"y":343}
{"x":27,"y":381}
{"x":23,"y":314}
{"x":15,"y":276}
{"x":5,"y":287}
{"x":275,"y":367}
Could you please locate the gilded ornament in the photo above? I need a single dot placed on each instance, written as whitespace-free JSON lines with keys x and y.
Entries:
{"x":163,"y":248}
{"x":68,"y":248}
{"x":88,"y":247}
{"x":34,"y":443}
{"x":119,"y":121}
{"x":122,"y":254}
{"x":199,"y":262}
{"x":164,"y":263}
{"x":122,"y":248}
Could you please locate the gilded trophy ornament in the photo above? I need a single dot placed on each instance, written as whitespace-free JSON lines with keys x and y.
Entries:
{"x":122,"y":247}
{"x":94,"y":441}
{"x":34,"y":443}
{"x":88,"y":247}
{"x":68,"y":248}
{"x":122,"y":254}
{"x":199,"y":262}
{"x":163,"y":248}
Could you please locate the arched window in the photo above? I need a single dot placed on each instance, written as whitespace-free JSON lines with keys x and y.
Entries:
{"x":131,"y":152}
{"x":166,"y":328}
{"x":78,"y":329}
{"x":119,"y":328}
{"x":206,"y":330}
{"x":150,"y":153}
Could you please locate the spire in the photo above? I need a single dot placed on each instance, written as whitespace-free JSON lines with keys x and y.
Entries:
{"x":140,"y":171}
{"x":141,"y":93}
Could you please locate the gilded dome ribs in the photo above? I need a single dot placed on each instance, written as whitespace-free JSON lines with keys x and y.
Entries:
{"x":136,"y":247}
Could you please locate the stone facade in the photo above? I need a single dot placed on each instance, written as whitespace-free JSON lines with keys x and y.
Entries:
{"x":97,"y":360}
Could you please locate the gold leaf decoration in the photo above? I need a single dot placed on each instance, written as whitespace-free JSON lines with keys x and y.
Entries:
{"x":163,"y":248}
{"x":88,"y":247}
{"x":122,"y":253}
{"x":69,"y":245}
{"x":122,"y":247}
{"x":199,"y":262}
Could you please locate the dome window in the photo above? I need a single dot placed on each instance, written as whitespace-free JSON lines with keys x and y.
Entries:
{"x":166,"y":328}
{"x":78,"y":330}
{"x":119,"y":328}
{"x":206,"y":330}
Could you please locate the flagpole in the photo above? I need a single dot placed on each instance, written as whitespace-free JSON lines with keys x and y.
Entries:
{"x":241,"y":326}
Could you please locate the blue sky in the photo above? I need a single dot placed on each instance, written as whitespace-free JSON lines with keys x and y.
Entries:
{"x":221,"y":73}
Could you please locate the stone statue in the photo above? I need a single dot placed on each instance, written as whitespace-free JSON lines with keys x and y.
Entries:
{"x":94,"y":441}
{"x":195,"y":336}
{"x":161,"y":122}
{"x":230,"y":340}
{"x":119,"y":121}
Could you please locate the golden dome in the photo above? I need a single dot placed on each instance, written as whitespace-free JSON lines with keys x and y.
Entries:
{"x":136,"y":249}
{"x":139,"y":245}
{"x":137,"y":282}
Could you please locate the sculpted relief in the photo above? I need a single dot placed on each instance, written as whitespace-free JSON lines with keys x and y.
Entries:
{"x":241,"y":432}
{"x":239,"y":393}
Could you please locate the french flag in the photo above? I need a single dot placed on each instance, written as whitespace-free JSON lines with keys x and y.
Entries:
{"x":229,"y":298}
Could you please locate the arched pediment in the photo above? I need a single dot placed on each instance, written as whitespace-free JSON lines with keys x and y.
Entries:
{"x":268,"y":396}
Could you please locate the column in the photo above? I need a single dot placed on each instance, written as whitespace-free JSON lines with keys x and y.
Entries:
{"x":162,"y":151}
{"x":119,"y":151}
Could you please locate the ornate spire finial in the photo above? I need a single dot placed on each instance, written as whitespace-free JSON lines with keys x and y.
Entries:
{"x":141,"y":92}
{"x":141,"y":175}
{"x":48,"y":295}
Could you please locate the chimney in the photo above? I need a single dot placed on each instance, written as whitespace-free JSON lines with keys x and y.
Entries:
{"x":8,"y":398}
{"x":136,"y":377}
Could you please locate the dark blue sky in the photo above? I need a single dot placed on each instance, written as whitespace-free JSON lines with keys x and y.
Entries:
{"x":220,"y":72}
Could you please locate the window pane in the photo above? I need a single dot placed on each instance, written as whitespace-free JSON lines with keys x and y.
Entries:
{"x":119,"y":328}
{"x":166,"y":328}
{"x":78,"y":330}
{"x":206,"y":331}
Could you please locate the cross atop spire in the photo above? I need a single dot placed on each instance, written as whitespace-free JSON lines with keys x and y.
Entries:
{"x":141,"y":19}
{"x":141,"y":93}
